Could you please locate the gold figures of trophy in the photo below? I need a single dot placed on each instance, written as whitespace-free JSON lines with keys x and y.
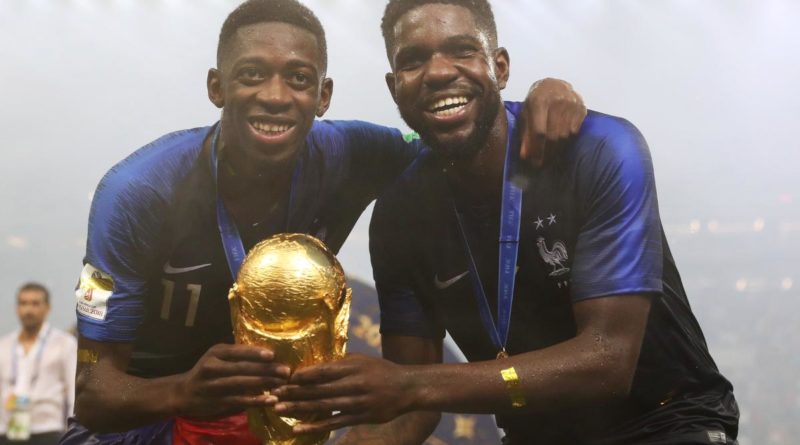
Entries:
{"x":291,"y":297}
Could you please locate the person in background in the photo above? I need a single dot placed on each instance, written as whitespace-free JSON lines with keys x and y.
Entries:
{"x":37,"y":373}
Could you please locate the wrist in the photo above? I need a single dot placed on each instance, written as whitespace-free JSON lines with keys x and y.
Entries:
{"x":418,"y":388}
{"x":176,"y":395}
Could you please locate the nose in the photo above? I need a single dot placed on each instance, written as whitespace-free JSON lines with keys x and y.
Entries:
{"x":440,"y":71}
{"x":274,"y":95}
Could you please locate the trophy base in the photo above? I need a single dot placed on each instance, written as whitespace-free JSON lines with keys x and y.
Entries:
{"x":273,"y":429}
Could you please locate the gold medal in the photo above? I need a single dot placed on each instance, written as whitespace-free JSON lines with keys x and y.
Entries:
{"x":502,"y":354}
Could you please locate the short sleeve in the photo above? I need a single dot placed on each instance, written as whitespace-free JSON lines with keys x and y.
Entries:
{"x":402,"y":309}
{"x":619,"y":247}
{"x":121,"y":245}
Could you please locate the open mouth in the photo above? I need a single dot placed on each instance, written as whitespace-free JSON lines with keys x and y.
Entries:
{"x":449,"y":106}
{"x":270,"y":129}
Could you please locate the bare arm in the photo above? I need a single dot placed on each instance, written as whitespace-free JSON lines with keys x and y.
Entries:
{"x":410,"y":428}
{"x":596,"y":366}
{"x":228,"y":378}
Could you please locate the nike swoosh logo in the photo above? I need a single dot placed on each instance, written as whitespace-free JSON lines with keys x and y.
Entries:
{"x":441,"y":285}
{"x":176,"y":270}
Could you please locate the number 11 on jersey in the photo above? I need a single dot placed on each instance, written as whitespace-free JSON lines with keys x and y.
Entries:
{"x":194,"y":300}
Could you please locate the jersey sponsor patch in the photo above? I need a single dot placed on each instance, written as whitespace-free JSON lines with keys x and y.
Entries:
{"x":93,"y":292}
{"x":717,"y":437}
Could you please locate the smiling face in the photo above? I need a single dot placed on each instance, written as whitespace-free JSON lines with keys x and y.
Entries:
{"x":271,"y":84}
{"x":447,"y":78}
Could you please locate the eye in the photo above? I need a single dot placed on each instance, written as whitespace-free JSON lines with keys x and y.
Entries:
{"x":409,"y":63}
{"x":251,"y":74}
{"x":300,"y":79}
{"x":464,"y":51}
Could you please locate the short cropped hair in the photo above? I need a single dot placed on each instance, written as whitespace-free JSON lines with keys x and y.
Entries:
{"x":33,"y":286}
{"x":481,"y":10}
{"x":262,"y":11}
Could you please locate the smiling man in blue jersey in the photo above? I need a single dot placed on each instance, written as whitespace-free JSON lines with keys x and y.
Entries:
{"x":575,"y":322}
{"x":156,"y":363}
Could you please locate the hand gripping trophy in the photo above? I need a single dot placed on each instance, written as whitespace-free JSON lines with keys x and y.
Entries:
{"x":291,"y":296}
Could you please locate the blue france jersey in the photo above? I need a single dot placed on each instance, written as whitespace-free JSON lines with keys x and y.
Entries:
{"x":155,"y":273}
{"x":590,"y":228}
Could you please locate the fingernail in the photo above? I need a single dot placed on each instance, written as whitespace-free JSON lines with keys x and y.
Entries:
{"x":270,"y":400}
{"x":284,"y":371}
{"x":280,"y":407}
{"x":267,"y":354}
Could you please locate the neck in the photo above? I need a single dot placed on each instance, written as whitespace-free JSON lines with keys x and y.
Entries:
{"x":241,"y":178}
{"x":481,"y":177}
{"x":29,"y":333}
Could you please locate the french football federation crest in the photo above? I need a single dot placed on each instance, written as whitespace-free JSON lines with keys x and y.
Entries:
{"x":555,"y":257}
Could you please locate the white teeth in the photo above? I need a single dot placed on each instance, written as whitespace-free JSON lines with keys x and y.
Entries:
{"x":449,"y":111}
{"x":270,"y":128}
{"x":441,"y":103}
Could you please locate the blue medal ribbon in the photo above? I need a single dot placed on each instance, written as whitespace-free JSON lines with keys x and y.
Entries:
{"x":231,"y":240}
{"x":510,"y":221}
{"x":37,"y":360}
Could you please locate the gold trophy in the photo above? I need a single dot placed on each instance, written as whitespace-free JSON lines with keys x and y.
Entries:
{"x":290,"y":296}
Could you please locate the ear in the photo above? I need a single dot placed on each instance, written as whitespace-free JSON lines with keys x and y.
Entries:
{"x":390,"y":83}
{"x":325,"y":94}
{"x":214,"y":86}
{"x":502,"y":66}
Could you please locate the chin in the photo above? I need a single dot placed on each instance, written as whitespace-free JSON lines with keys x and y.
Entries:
{"x":461,"y":146}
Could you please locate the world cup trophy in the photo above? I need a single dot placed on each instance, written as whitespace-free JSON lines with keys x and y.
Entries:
{"x":290,"y":296}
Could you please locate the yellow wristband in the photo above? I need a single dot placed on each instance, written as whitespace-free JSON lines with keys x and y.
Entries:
{"x":511,"y":378}
{"x":87,"y":356}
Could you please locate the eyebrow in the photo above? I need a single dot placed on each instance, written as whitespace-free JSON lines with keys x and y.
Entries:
{"x":448,"y":43}
{"x":292,"y":63}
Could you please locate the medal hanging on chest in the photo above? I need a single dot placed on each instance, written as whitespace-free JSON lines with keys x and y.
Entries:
{"x":510,"y":220}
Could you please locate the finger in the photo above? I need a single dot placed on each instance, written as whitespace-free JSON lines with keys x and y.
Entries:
{"x":321,"y":373}
{"x":563,"y":113}
{"x":330,"y":423}
{"x":576,"y":113}
{"x":348,"y":404}
{"x":249,"y":401}
{"x":578,"y":118}
{"x":242,"y":385}
{"x":554,"y":117}
{"x":220,"y":368}
{"x":538,"y":131}
{"x":525,"y":145}
{"x":237,"y":353}
{"x":318,"y":392}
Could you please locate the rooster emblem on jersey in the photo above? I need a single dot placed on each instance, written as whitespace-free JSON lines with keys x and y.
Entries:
{"x":555,"y":257}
